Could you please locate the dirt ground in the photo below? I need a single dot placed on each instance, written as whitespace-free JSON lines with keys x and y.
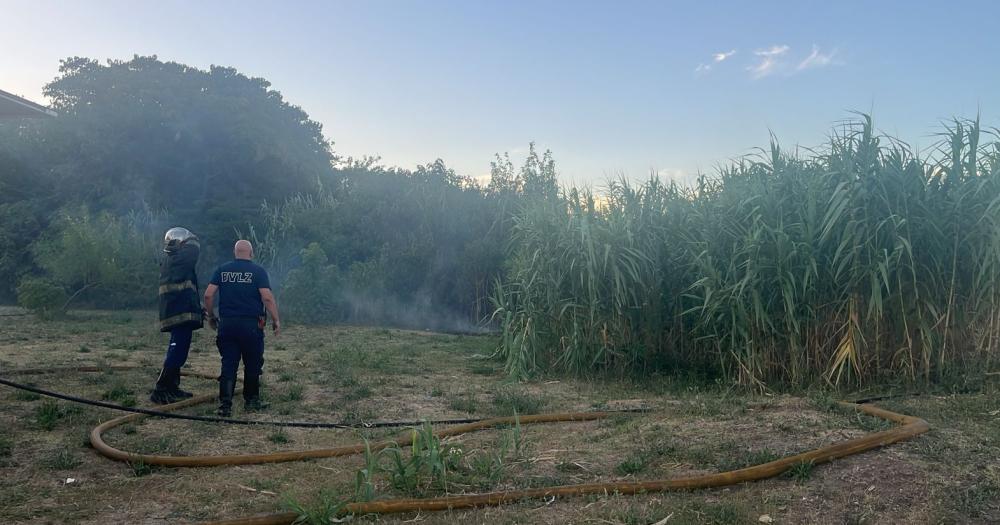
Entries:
{"x":49,"y":473}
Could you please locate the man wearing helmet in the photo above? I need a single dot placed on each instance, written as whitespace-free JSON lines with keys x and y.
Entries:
{"x":180,"y":310}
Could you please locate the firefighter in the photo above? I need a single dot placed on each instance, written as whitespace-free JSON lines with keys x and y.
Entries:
{"x":244,"y":298}
{"x":180,"y":310}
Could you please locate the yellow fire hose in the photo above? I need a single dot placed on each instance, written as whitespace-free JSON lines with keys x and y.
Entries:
{"x":909,"y":426}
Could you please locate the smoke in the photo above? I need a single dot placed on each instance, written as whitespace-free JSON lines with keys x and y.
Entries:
{"x":420,"y":313}
{"x":359,"y":303}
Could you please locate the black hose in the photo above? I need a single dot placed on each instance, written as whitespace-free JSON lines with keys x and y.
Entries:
{"x":231,"y":421}
{"x":884,"y":397}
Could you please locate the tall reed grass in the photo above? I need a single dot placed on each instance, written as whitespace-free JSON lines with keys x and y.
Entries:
{"x":857,"y":261}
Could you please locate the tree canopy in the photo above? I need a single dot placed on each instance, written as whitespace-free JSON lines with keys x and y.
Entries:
{"x":208,"y":146}
{"x":225,"y":155}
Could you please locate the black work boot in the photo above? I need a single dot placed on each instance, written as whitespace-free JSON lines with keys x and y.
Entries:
{"x":163,"y":391}
{"x":251,"y":394}
{"x":176,"y":390}
{"x":226,"y":388}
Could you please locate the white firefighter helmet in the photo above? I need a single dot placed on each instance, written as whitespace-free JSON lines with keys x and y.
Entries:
{"x":175,"y":237}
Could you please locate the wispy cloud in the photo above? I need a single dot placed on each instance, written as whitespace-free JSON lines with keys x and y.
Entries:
{"x":772,"y":51}
{"x":703,"y":68}
{"x":719,"y":57}
{"x":770,"y":60}
{"x":817,"y":59}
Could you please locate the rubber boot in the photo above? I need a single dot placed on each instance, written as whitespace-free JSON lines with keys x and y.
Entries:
{"x":163,"y":391}
{"x":251,"y":394}
{"x":176,"y":390}
{"x":226,"y":389}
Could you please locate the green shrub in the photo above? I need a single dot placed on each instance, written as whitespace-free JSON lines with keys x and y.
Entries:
{"x":48,"y":414}
{"x":801,"y":471}
{"x":120,"y":394}
{"x":513,"y":401}
{"x":428,"y":466}
{"x":313,"y":292}
{"x":279,"y":436}
{"x":62,"y":460}
{"x":41,"y":296}
{"x":102,"y":257}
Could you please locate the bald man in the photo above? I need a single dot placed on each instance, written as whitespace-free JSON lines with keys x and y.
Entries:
{"x":244,"y":296}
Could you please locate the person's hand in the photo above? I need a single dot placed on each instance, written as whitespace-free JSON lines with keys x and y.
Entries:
{"x":213,"y":323}
{"x":276,"y":326}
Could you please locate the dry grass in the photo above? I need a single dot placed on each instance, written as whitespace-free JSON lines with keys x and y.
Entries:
{"x":338,"y":373}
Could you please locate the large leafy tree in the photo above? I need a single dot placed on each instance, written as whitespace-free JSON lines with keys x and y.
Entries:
{"x":208,"y":146}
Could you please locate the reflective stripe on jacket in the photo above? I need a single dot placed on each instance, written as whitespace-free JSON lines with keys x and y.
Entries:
{"x":180,"y":305}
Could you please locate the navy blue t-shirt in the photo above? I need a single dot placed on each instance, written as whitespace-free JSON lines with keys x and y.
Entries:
{"x":239,"y":283}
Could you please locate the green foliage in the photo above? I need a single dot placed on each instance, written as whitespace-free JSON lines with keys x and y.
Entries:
{"x":858,"y":262}
{"x":322,"y":511}
{"x":313,"y":291}
{"x":747,"y":458}
{"x":41,"y":297}
{"x":639,"y":460}
{"x":414,"y":248}
{"x":979,"y":495}
{"x":361,"y":392}
{"x":24,"y":395}
{"x":103,"y":258}
{"x":801,"y":471}
{"x":464,"y":403}
{"x":6,"y":447}
{"x":724,"y":513}
{"x":292,"y":393}
{"x":427,"y":466}
{"x":870,"y":423}
{"x":483,"y":369}
{"x":20,"y":224}
{"x":513,"y":401}
{"x":140,"y":468}
{"x":512,"y":439}
{"x":221,"y":141}
{"x":209,"y":146}
{"x":62,"y":460}
{"x":631,"y":465}
{"x":278,"y":436}
{"x":492,"y":465}
{"x":536,"y":178}
{"x":120,"y":394}
{"x":263,"y":484}
{"x":48,"y":414}
{"x":823,"y":400}
{"x":227,"y":156}
{"x":364,"y":484}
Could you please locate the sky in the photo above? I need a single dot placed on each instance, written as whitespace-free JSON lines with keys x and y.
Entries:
{"x":612,"y":88}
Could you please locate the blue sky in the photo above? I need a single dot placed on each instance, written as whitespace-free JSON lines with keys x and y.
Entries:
{"x":610,"y":87}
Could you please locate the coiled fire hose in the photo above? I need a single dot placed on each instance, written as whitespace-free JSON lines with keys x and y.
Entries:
{"x":909,"y":426}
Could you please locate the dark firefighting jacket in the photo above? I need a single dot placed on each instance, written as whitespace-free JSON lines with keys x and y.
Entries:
{"x":180,"y":305}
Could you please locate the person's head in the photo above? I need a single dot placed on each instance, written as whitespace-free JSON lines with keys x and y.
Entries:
{"x":177,"y":237}
{"x":243,"y":250}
